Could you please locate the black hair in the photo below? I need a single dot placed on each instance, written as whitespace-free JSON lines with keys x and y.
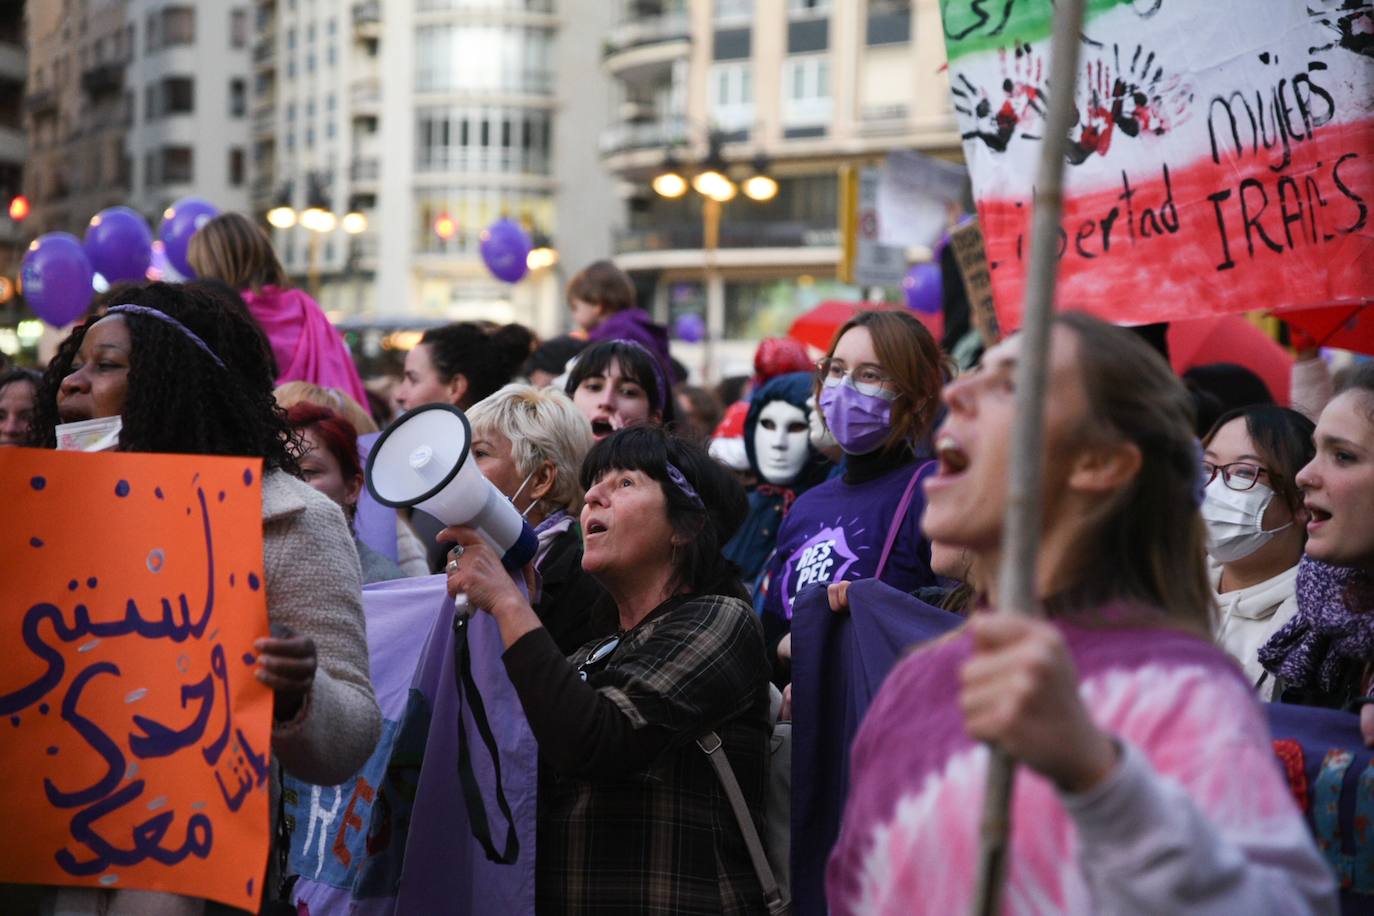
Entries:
{"x":179,"y":400}
{"x":486,"y":358}
{"x":705,"y":525}
{"x":1282,"y":437}
{"x":636,"y":364}
{"x":552,"y":355}
{"x":1220,"y":387}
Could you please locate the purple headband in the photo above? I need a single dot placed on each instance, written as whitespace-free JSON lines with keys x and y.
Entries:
{"x":192,"y":336}
{"x":659,"y":375}
{"x":680,"y":481}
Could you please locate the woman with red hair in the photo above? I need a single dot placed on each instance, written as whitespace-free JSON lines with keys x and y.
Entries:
{"x":329,"y":463}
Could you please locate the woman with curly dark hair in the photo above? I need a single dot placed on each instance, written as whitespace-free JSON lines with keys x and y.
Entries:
{"x":186,"y":374}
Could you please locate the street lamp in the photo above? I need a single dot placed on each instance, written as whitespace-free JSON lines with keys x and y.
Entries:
{"x":317,"y":218}
{"x":760,"y":186}
{"x":713,"y":183}
{"x":282,"y":216}
{"x":542,"y":253}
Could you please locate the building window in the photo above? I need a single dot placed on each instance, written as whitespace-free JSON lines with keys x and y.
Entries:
{"x":732,"y":95}
{"x":331,"y":55}
{"x":179,"y":95}
{"x":806,"y":90}
{"x":733,"y":12}
{"x":236,"y":167}
{"x":178,"y":26}
{"x":238,"y":28}
{"x":310,"y":138}
{"x":467,"y":58}
{"x":290,"y":39}
{"x":483,"y":139}
{"x":178,"y":165}
{"x":472,"y":208}
{"x":238,"y":98}
{"x":889,"y":22}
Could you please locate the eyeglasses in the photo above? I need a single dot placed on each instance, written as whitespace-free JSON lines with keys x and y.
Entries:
{"x":1238,"y":475}
{"x":867,"y":377}
{"x":601,"y":654}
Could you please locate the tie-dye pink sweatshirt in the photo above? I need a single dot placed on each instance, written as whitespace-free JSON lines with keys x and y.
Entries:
{"x":1196,"y":818}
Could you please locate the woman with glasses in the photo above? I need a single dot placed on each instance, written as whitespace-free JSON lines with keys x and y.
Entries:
{"x":878,"y":390}
{"x":632,"y":817}
{"x":1256,"y":526}
{"x":1147,"y":780}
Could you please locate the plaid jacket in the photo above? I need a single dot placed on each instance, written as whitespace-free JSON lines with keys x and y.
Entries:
{"x":664,"y":840}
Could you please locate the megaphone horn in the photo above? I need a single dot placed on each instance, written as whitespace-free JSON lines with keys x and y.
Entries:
{"x":423,"y":461}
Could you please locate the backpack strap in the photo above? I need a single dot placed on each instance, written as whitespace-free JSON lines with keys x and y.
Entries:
{"x":900,"y":516}
{"x":710,"y":745}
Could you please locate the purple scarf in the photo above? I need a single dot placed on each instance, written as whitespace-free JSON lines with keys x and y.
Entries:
{"x":1334,"y":626}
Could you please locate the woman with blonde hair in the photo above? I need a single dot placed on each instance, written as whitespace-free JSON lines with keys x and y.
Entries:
{"x":232,"y":249}
{"x":530,"y":443}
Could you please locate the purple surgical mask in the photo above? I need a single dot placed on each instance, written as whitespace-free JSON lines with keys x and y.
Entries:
{"x":860,"y":422}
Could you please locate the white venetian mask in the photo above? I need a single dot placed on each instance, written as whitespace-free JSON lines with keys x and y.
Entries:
{"x":781,"y":442}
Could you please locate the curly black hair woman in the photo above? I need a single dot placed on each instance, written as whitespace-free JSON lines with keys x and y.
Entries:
{"x":188,"y":373}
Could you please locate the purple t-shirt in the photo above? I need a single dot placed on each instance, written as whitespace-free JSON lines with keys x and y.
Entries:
{"x":836,"y":530}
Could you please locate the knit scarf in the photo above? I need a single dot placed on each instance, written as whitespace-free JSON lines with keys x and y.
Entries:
{"x":1333,"y":627}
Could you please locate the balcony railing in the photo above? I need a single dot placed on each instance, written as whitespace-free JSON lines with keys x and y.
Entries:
{"x":649,"y":134}
{"x":365,"y":170}
{"x":667,"y":26}
{"x":367,"y":16}
{"x":483,"y":159}
{"x":733,"y":234}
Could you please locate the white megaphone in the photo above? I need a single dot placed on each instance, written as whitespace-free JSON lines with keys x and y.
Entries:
{"x":422,"y":461}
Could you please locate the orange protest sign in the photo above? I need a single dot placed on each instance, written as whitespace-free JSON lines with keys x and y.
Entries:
{"x":135,"y":734}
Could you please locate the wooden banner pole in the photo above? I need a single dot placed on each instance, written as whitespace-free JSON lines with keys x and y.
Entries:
{"x":1021,"y":532}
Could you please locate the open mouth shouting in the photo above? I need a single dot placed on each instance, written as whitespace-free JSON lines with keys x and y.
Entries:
{"x":603,"y":427}
{"x":951,"y":455}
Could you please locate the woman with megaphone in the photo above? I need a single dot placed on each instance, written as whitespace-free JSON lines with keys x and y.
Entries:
{"x":632,"y":817}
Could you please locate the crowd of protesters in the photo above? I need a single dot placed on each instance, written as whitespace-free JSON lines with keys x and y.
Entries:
{"x":1187,"y":575}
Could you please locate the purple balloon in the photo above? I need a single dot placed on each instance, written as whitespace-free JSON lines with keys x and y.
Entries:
{"x":57,"y":278}
{"x":180,"y":221}
{"x":505,"y":246}
{"x":924,"y":290}
{"x":690,"y":327}
{"x":119,"y":244}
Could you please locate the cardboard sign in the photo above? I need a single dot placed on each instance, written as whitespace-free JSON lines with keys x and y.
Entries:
{"x":135,"y":735}
{"x":967,"y":244}
{"x":1221,"y":157}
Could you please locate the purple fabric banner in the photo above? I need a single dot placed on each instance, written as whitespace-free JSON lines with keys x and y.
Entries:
{"x":838,"y":663}
{"x":396,"y":838}
{"x":375,"y":523}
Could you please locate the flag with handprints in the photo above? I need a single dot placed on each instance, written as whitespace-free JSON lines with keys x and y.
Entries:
{"x":1221,"y":157}
{"x":135,"y":735}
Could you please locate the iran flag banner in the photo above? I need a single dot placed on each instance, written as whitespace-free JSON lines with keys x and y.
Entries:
{"x":1221,"y":160}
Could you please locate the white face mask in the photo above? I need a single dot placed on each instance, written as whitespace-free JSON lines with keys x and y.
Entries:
{"x":781,"y":450}
{"x":521,"y":489}
{"x":97,"y":435}
{"x":1235,"y":520}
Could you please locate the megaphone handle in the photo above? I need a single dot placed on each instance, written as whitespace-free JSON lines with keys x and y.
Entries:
{"x":461,"y":606}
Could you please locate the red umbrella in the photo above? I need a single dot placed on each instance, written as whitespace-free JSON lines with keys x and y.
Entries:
{"x":1346,"y":327}
{"x":1230,"y":339}
{"x":817,"y":326}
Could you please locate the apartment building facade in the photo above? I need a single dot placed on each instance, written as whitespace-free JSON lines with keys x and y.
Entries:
{"x":809,"y":86}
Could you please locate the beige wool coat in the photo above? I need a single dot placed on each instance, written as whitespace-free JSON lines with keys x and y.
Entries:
{"x":314,"y":586}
